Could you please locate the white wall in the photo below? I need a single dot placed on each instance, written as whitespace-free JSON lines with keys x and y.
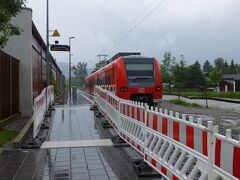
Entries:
{"x":20,"y":47}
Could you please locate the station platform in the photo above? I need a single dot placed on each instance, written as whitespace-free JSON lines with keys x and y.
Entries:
{"x":69,"y":151}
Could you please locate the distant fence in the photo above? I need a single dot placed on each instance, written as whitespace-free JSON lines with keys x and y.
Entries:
{"x":9,"y":86}
{"x":175,"y":147}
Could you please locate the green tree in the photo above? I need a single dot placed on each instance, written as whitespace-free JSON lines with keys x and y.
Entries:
{"x":222,"y":64}
{"x":8,"y":9}
{"x":207,"y":67}
{"x":232,"y":68}
{"x":180,"y":73}
{"x":195,"y":76}
{"x":237,"y":68}
{"x":216,"y":75}
{"x":219,"y":63}
{"x":80,"y":73}
{"x":167,"y":66}
{"x":197,"y":64}
{"x":100,"y":64}
{"x":225,"y":68}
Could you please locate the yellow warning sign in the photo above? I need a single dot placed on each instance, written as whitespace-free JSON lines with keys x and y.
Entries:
{"x":56,"y":33}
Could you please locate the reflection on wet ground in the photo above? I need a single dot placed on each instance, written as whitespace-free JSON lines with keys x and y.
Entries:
{"x":69,"y":123}
{"x":73,"y":123}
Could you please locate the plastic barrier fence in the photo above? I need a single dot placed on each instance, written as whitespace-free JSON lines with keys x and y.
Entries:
{"x":41,"y":104}
{"x":111,"y":88}
{"x":177,"y":147}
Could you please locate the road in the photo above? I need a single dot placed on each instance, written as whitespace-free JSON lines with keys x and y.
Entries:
{"x":211,"y":103}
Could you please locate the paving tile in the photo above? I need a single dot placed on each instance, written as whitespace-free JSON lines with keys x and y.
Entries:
{"x":81,"y":176}
{"x":75,"y":161}
{"x":42,"y":178}
{"x":82,"y":165}
{"x":99,"y":177}
{"x":9,"y":175}
{"x":95,"y":172}
{"x":95,"y":166}
{"x":26,"y":170}
{"x":79,"y":170}
{"x":98,"y":161}
{"x":14,"y":164}
{"x":23,"y":176}
{"x":92,"y":158}
{"x":62,"y":178}
{"x":62,"y":163}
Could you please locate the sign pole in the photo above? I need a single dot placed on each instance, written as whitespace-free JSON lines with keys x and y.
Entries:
{"x":47,"y":53}
{"x":70,"y":74}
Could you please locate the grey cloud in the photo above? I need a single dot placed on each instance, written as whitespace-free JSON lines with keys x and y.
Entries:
{"x":199,"y":29}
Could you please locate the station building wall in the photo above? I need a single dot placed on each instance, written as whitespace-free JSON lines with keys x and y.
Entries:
{"x":30,"y":49}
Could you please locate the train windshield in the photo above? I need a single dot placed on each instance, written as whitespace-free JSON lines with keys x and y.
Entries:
{"x":140,"y":72}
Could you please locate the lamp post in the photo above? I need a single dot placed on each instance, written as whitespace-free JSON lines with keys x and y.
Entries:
{"x":70,"y":75}
{"x":47,"y":54}
{"x":47,"y":50}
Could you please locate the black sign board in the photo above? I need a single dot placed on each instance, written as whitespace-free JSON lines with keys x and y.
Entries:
{"x":60,"y":47}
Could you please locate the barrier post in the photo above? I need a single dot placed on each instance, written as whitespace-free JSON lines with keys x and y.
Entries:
{"x":34,"y":117}
{"x":210,"y":149}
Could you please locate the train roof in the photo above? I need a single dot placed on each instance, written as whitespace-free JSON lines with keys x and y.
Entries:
{"x":110,"y":63}
{"x":123,"y":54}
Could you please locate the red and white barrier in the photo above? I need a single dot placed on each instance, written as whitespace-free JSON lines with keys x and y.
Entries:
{"x":185,"y":132}
{"x":227,"y":156}
{"x":41,"y":104}
{"x":178,"y":159}
{"x":175,"y":147}
{"x":111,"y":88}
{"x":108,"y":105}
{"x":133,"y":125}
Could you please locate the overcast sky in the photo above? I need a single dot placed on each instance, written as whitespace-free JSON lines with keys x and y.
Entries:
{"x":198,"y":29}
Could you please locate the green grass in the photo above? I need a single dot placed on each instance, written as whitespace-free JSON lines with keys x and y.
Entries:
{"x":7,"y":136}
{"x":195,"y":105}
{"x":184,"y":103}
{"x":228,"y":95}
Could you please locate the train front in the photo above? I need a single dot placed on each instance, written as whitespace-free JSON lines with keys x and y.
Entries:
{"x":141,"y":80}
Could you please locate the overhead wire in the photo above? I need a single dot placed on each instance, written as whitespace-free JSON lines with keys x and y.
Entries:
{"x":137,"y":21}
{"x":134,"y":21}
{"x":136,"y":24}
{"x":130,"y":24}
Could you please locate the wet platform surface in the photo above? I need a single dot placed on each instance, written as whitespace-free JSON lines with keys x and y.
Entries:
{"x":69,"y":123}
{"x":74,"y":123}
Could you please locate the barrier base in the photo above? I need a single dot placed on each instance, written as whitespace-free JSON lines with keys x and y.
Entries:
{"x":105,"y":123}
{"x":33,"y":143}
{"x":142,"y":169}
{"x":93,"y":108}
{"x":51,"y":108}
{"x":99,"y":114}
{"x":118,"y":141}
{"x":45,"y":125}
{"x":48,"y":114}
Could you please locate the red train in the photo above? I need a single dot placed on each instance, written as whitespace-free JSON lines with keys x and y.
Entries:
{"x":136,"y":78}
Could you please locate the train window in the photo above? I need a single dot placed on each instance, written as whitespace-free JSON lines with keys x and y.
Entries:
{"x":140,"y":71}
{"x":136,"y":67}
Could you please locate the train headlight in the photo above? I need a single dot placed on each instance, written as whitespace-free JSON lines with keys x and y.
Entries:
{"x":158,"y":88}
{"x":123,"y":89}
